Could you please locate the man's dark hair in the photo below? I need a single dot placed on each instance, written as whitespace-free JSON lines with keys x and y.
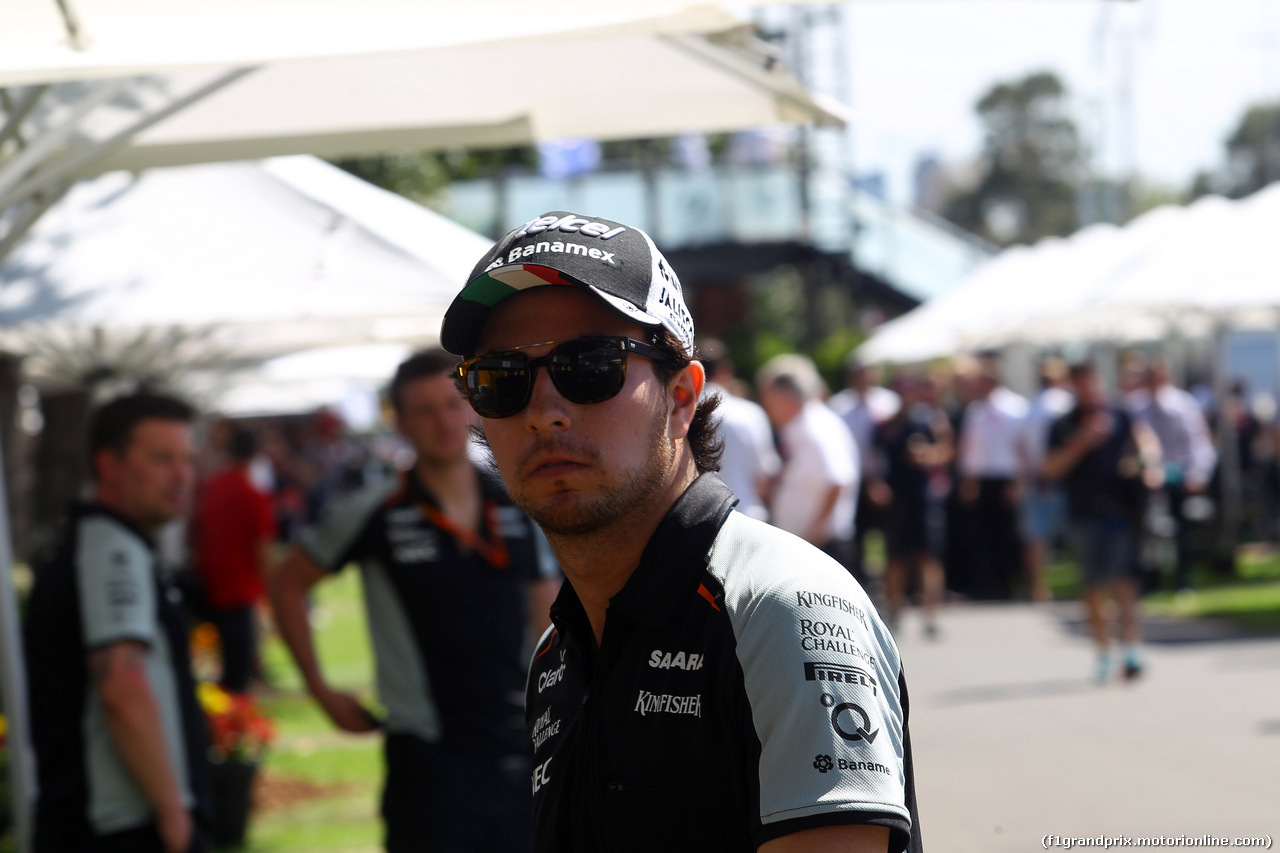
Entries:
{"x":243,"y":445}
{"x":425,"y":364}
{"x":704,"y":439}
{"x":111,"y":426}
{"x":1080,"y":370}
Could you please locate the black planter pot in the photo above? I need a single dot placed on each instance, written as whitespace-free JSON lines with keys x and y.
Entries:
{"x":232,"y":801}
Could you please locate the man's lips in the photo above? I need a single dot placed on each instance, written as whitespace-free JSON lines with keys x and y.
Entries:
{"x":554,"y":466}
{"x":554,"y":463}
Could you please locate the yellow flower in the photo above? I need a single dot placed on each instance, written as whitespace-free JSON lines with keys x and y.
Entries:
{"x":4,"y":727}
{"x":213,"y":698}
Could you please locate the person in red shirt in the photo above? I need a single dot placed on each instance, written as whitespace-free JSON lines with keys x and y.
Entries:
{"x":234,"y":530}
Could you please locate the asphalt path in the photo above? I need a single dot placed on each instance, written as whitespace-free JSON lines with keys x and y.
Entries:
{"x":1014,"y":741}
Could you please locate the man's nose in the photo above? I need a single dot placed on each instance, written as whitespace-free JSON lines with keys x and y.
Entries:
{"x":547,"y":409}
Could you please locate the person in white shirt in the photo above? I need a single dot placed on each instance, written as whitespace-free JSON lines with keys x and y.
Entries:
{"x":750,"y":461}
{"x":817,"y":490}
{"x":863,"y":405}
{"x":1043,"y":511}
{"x":1186,"y":448}
{"x":990,"y":466}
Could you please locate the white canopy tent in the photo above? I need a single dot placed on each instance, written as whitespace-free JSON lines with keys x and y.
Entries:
{"x":253,"y":260}
{"x":1102,"y":283}
{"x":345,"y":377}
{"x":1218,"y":263}
{"x":339,"y":80}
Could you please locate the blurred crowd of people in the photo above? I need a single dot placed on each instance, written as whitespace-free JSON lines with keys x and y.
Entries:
{"x":969,"y":486}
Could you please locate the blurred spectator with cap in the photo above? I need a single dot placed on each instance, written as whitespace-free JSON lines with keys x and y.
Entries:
{"x":816,"y":493}
{"x":990,"y":467}
{"x":750,"y":461}
{"x":862,"y":405}
{"x":1187,"y":450}
{"x":232,"y":537}
{"x":1043,"y":503}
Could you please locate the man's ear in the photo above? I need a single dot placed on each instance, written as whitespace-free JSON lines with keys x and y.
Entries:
{"x":685,"y":391}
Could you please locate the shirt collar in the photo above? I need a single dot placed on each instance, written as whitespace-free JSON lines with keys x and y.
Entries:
{"x":82,"y":509}
{"x":676,"y":552}
{"x":670,"y":562}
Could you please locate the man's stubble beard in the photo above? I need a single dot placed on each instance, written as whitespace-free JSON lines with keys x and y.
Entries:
{"x":614,"y":503}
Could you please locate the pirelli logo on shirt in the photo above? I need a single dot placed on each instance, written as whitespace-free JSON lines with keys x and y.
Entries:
{"x":668,"y":703}
{"x":839,"y":673}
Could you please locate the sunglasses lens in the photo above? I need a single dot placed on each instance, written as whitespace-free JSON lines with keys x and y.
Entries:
{"x":585,"y":370}
{"x":589,"y":370}
{"x":498,"y":386}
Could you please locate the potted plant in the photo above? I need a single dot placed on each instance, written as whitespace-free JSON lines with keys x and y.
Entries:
{"x":6,"y":813}
{"x":239,"y":734}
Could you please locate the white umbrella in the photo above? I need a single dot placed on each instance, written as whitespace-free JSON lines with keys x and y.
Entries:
{"x":259,"y":259}
{"x":1029,"y":294}
{"x":474,"y":75}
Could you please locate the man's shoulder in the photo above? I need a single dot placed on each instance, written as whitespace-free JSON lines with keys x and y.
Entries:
{"x":765,"y":565}
{"x":98,"y":531}
{"x":369,"y":498}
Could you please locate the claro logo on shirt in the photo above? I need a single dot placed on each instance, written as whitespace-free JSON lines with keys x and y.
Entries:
{"x":667,"y":703}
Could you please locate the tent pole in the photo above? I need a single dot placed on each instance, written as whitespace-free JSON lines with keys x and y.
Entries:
{"x":14,"y":687}
{"x":70,"y":166}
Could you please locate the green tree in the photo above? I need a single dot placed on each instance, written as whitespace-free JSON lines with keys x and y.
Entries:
{"x":1030,"y":165}
{"x":1253,"y":150}
{"x":422,"y":175}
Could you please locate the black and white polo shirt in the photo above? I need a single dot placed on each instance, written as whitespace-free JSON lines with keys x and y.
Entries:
{"x":448,"y":624}
{"x":744,"y":689}
{"x":98,"y":588}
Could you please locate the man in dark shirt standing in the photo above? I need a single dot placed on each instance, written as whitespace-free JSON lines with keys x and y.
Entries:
{"x":1106,"y":463}
{"x":119,"y":738}
{"x":710,"y":683}
{"x":457,"y":581}
{"x":915,"y":446}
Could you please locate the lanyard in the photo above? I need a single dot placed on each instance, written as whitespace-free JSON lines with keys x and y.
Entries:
{"x":494,"y":553}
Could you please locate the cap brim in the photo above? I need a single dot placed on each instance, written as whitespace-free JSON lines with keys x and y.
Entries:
{"x":470,"y":308}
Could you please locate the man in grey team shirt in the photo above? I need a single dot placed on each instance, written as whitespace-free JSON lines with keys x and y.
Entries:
{"x":120,"y":740}
{"x":711,"y":683}
{"x":453,"y":576}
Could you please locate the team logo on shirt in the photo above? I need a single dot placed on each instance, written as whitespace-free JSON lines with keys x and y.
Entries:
{"x":817,"y":635}
{"x":122,"y":589}
{"x":839,"y":673}
{"x":544,"y":728}
{"x":680,"y":660}
{"x":849,"y":721}
{"x":825,"y":764}
{"x":540,"y":775}
{"x":811,"y":600}
{"x":552,"y":677}
{"x":668,"y":703}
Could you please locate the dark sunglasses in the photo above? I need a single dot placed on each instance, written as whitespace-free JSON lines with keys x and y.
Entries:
{"x":584,"y":370}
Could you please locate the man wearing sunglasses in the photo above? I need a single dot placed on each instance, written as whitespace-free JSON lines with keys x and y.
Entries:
{"x":709,"y":682}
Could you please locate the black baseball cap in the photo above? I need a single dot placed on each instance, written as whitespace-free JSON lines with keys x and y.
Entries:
{"x":617,"y":263}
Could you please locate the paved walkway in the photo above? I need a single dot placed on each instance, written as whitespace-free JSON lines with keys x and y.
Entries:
{"x":1014,"y":741}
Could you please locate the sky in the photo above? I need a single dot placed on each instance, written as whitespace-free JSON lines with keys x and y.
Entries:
{"x":1192,"y":66}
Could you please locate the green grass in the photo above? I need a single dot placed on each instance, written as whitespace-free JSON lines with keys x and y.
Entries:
{"x":1251,"y":598}
{"x":347,"y":767}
